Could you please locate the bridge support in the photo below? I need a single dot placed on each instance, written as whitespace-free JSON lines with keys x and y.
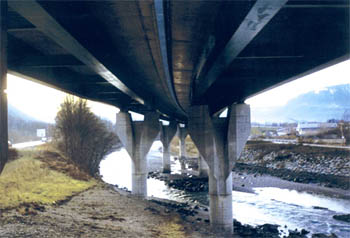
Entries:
{"x":203,"y":168}
{"x":183,"y":132}
{"x":220,"y":141}
{"x":137,"y":138}
{"x":167,"y":134}
{"x":3,"y":85}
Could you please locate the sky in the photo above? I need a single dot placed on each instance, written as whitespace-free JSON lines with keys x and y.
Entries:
{"x":331,"y":76}
{"x":42,"y":102}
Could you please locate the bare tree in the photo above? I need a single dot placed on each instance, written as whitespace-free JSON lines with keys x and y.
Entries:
{"x":82,"y":136}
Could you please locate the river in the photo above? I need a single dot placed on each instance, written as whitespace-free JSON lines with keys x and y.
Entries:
{"x":284,"y":207}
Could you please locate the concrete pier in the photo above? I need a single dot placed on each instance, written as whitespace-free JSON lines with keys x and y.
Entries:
{"x":220,"y":197}
{"x":203,"y":169}
{"x":3,"y":85}
{"x":137,"y":138}
{"x":220,"y":141}
{"x":182,"y":132}
{"x":166,"y":135}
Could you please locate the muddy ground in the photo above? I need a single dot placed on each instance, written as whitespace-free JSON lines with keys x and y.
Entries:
{"x":104,"y":212}
{"x":99,"y":212}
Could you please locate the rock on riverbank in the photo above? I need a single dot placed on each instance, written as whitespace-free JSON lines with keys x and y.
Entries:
{"x":345,"y":218}
{"x":305,"y":164}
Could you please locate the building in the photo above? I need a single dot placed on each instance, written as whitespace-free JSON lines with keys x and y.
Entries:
{"x":313,"y":128}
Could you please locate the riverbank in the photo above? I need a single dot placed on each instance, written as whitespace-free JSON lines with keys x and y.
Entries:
{"x":44,"y":200}
{"x":42,"y":178}
{"x":316,"y":216}
{"x":298,"y":178}
{"x":247,"y":183}
{"x":244,"y":183}
{"x":99,"y":212}
{"x":328,"y":167}
{"x":103,"y":211}
{"x":247,"y":176}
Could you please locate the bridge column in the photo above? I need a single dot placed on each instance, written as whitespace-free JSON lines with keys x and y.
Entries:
{"x":137,"y":138}
{"x":167,"y":134}
{"x":183,"y":132}
{"x":220,"y":141}
{"x":3,"y":85}
{"x":203,"y":168}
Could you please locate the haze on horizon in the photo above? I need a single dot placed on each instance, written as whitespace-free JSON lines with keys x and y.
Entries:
{"x":42,"y":102}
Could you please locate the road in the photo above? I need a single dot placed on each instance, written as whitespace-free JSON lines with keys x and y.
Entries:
{"x":27,"y":144}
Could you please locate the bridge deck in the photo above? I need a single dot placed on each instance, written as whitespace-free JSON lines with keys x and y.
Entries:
{"x":165,"y":56}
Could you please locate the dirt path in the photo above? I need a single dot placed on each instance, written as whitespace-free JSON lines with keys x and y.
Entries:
{"x":100,"y":212}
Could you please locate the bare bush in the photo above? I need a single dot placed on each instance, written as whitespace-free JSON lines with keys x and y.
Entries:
{"x":81,"y":136}
{"x":12,"y":154}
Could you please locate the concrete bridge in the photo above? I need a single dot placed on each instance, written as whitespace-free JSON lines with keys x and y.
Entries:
{"x":183,"y":61}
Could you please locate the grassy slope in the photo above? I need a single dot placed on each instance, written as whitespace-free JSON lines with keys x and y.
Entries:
{"x":28,"y":180}
{"x":191,"y":149}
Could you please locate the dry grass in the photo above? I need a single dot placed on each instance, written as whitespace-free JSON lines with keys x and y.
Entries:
{"x":28,"y":180}
{"x":191,"y":149}
{"x":49,"y":146}
{"x":171,"y":229}
{"x":53,"y":160}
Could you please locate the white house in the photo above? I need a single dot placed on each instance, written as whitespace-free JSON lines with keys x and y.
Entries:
{"x":313,"y":128}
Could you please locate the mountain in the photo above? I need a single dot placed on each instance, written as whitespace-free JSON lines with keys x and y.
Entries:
{"x":22,"y":127}
{"x":330,"y":103}
{"x":14,"y":114}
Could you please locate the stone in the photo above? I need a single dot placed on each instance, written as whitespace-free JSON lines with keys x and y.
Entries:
{"x":320,"y":235}
{"x":345,"y":217}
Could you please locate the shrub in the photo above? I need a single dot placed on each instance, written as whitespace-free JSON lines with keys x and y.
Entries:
{"x":12,"y":154}
{"x":81,"y":136}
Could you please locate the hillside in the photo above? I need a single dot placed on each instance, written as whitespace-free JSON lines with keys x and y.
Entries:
{"x":330,"y":103}
{"x":22,"y":127}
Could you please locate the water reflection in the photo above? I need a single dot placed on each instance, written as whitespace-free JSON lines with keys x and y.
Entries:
{"x":304,"y":199}
{"x":267,"y":205}
{"x":116,"y":169}
{"x":291,"y":208}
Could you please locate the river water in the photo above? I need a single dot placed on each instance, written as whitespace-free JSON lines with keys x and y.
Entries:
{"x":284,"y":207}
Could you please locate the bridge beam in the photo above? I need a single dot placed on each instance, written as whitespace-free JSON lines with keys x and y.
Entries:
{"x":166,"y":135}
{"x":220,"y":141}
{"x":137,"y":138}
{"x":33,"y":12}
{"x":257,"y":18}
{"x":48,"y":61}
{"x":3,"y":85}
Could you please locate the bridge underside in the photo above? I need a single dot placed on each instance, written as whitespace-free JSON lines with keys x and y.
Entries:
{"x":186,"y":60}
{"x":165,"y":56}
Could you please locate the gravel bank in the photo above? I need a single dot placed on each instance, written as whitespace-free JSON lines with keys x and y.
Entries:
{"x":297,"y":158}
